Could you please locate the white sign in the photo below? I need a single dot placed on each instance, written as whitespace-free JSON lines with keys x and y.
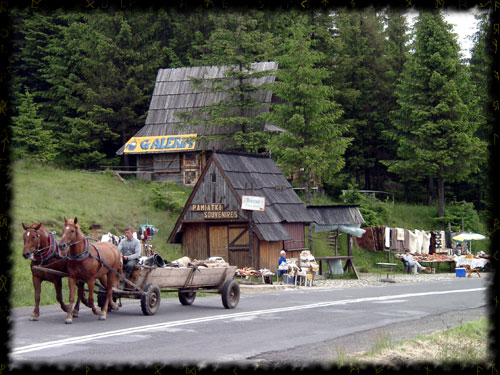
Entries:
{"x":253,"y":203}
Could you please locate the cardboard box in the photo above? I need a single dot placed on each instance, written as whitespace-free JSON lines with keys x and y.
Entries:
{"x":460,"y":272}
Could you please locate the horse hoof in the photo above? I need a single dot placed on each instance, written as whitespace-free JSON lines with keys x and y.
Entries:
{"x":68,"y":321}
{"x":95,"y":311}
{"x":75,"y":314}
{"x":102,"y":317}
{"x":33,"y":318}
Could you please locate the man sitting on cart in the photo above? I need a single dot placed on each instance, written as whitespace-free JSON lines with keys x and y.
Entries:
{"x":130,"y":248}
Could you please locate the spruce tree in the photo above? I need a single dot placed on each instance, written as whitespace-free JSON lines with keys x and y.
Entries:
{"x":31,"y":139}
{"x":431,"y":124}
{"x":360,"y":78}
{"x":313,"y":145}
{"x":235,"y":43}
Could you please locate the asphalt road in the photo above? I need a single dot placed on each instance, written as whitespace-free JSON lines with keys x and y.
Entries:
{"x":296,"y":325}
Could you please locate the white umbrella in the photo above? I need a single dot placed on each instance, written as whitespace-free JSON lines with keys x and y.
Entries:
{"x":468,"y":237}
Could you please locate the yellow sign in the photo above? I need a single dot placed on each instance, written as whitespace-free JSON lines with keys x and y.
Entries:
{"x":162,"y":143}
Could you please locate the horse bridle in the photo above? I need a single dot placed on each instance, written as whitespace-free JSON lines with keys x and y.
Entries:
{"x":80,"y":256}
{"x":51,"y":253}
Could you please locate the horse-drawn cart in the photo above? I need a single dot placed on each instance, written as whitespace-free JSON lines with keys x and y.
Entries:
{"x":186,"y":281}
{"x":151,"y":281}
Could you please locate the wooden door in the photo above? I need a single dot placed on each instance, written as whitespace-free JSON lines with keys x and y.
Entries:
{"x":238,"y":246}
{"x":218,"y":241}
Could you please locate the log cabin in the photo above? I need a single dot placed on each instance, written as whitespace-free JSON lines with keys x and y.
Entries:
{"x":213,"y":223}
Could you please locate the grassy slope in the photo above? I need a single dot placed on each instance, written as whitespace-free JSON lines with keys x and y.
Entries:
{"x":43,"y":194}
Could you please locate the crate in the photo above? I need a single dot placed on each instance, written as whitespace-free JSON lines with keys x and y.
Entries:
{"x":460,"y":272}
{"x":288,"y":280}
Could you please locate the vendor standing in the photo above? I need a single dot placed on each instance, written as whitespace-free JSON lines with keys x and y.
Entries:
{"x":130,"y":248}
{"x":281,"y":260}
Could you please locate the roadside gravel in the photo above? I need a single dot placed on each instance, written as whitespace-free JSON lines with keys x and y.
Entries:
{"x":366,"y":279}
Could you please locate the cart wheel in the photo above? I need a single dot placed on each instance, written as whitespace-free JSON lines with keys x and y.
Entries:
{"x":150,"y":299}
{"x":101,"y":299}
{"x":187,"y":298}
{"x":230,"y":294}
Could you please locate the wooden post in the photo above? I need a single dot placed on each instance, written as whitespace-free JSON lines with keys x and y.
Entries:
{"x":250,"y":239}
{"x":337,"y":243}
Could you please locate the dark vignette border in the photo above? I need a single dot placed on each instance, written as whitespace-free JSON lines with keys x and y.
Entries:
{"x":195,"y":369}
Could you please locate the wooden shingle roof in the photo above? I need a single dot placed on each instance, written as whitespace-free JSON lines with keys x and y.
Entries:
{"x":267,"y":180}
{"x":173,"y":93}
{"x":336,"y":215}
{"x":249,"y":174}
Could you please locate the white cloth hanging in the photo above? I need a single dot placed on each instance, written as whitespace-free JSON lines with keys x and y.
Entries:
{"x":400,"y":234}
{"x":387,"y":237}
{"x":426,"y":242}
{"x":412,"y":242}
{"x":420,"y":239}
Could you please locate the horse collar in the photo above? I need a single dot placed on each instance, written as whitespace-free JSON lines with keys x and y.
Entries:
{"x":80,"y":256}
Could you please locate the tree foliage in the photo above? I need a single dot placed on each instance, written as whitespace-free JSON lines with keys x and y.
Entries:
{"x":313,"y":144}
{"x":359,"y":103}
{"x":431,"y":125}
{"x":31,"y":140}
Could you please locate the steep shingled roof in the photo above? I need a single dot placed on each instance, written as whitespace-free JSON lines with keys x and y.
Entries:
{"x":249,"y":174}
{"x":336,"y":215}
{"x":173,"y":93}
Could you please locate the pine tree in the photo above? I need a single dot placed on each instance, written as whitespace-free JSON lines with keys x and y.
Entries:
{"x":361,"y":81}
{"x":31,"y":140}
{"x":431,"y":125}
{"x":236,"y":43}
{"x":313,"y":145}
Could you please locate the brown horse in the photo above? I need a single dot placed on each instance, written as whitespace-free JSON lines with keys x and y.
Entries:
{"x":42,"y":249}
{"x":101,"y":260}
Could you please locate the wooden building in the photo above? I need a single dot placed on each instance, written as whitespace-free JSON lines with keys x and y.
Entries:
{"x":213,"y":223}
{"x":335,"y":219}
{"x":163,"y":151}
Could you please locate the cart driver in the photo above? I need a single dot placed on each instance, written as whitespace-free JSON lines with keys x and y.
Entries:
{"x":130,"y":248}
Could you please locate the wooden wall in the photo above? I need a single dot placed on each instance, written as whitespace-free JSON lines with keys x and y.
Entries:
{"x":269,"y":254}
{"x":214,"y":189}
{"x":296,"y":230}
{"x":195,"y":241}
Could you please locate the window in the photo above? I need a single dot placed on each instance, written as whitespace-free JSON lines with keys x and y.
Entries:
{"x":190,"y":176}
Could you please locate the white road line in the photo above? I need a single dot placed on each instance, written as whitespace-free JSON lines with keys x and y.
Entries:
{"x":155,"y":327}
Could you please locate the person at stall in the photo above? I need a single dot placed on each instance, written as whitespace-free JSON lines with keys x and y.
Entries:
{"x":282,"y":259}
{"x":130,"y":248}
{"x":413,"y":263}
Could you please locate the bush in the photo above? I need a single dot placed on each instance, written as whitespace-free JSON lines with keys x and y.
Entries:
{"x":374,"y":212}
{"x":164,"y":199}
{"x":455,"y":211}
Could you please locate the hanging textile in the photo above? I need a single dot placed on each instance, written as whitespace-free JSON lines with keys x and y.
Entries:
{"x":412,"y":242}
{"x":367,"y":240}
{"x":387,"y":237}
{"x":448,"y":239}
{"x":406,"y":244}
{"x":400,"y":234}
{"x":426,"y":241}
{"x":420,"y":239}
{"x":432,"y":246}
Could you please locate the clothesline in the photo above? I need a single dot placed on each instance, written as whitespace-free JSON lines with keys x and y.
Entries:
{"x":380,"y":238}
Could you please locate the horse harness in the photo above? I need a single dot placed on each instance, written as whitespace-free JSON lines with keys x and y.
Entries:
{"x":50,"y":253}
{"x":86,"y":253}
